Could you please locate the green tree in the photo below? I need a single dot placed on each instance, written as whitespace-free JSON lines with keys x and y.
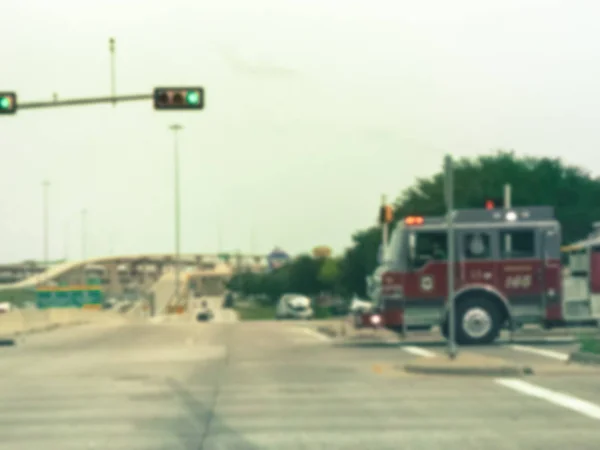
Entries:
{"x":303,"y":276}
{"x":359,"y":260}
{"x":329,"y":274}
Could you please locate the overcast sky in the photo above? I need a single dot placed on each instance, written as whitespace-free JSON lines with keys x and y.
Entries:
{"x":314,"y":109}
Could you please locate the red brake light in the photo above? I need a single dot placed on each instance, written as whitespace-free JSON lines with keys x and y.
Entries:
{"x":413,"y":220}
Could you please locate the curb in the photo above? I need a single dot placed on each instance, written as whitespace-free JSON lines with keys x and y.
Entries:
{"x":485,"y":368}
{"x":584,"y":358}
{"x":327,"y":331}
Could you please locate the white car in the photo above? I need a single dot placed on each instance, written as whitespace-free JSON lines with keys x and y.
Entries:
{"x":294,"y":306}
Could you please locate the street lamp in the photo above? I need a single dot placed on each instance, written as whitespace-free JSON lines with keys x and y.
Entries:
{"x":176,"y":128}
{"x":83,"y":233}
{"x":46,"y":187}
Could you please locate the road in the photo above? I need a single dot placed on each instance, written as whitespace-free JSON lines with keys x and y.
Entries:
{"x":275,"y":386}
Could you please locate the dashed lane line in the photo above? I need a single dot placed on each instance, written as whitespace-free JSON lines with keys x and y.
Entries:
{"x":419,"y":351}
{"x":539,"y":351}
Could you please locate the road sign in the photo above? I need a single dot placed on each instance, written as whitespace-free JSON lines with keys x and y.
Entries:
{"x":179,"y":98}
{"x":277,"y":258}
{"x":8,"y":102}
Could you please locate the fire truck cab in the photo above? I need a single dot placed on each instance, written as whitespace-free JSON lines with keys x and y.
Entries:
{"x":507,"y":272}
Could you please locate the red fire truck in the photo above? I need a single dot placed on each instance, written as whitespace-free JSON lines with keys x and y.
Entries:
{"x":508,"y":273}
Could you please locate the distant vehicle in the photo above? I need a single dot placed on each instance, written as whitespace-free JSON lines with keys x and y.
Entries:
{"x":204,"y":316}
{"x":358,"y":305}
{"x":294,"y":306}
{"x":229,"y":300}
{"x":5,"y":307}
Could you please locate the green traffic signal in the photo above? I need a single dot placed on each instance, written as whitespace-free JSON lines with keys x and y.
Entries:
{"x":179,"y":98}
{"x":8,"y":102}
{"x":193,"y":97}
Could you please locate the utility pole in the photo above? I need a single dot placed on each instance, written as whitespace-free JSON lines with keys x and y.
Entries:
{"x":46,"y":187}
{"x":176,"y":128}
{"x":252,"y":240}
{"x":449,"y":194}
{"x":66,"y":243}
{"x":113,"y":79}
{"x":220,"y":237}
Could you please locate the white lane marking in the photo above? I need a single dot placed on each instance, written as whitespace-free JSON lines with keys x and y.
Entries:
{"x":315,"y":334}
{"x":558,"y":398}
{"x":538,"y":351}
{"x":419,"y":351}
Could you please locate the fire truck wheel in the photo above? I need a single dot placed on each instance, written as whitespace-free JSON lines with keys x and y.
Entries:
{"x":478,"y":321}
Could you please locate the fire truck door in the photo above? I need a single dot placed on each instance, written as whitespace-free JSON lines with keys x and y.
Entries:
{"x":476,"y":257}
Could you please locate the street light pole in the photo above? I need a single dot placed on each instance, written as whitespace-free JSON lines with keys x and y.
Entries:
{"x":46,"y":187}
{"x":83,"y":233}
{"x":113,"y":78}
{"x":449,"y":194}
{"x":176,"y":128}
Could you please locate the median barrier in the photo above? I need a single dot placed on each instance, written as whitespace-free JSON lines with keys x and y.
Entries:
{"x":466,"y":364}
{"x":32,"y":320}
{"x":11,"y":322}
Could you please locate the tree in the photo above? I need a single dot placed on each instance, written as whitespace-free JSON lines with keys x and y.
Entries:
{"x":329,"y":274}
{"x":303,"y":276}
{"x":359,"y":261}
{"x":572,"y":191}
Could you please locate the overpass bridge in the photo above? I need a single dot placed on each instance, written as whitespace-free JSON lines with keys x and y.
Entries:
{"x":120,"y":274}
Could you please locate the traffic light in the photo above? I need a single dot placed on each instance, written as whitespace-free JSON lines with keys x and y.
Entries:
{"x":8,"y":103}
{"x":179,"y":98}
{"x":386,"y":214}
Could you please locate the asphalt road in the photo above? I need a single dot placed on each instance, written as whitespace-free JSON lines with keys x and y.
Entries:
{"x":276,"y":386}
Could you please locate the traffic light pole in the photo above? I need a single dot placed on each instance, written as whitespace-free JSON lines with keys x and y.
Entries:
{"x":384,"y":229}
{"x":85,"y":101}
{"x":449,"y":191}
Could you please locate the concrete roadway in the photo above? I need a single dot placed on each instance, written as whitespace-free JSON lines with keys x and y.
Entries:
{"x":274,"y":386}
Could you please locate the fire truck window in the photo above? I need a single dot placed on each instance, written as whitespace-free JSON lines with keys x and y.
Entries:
{"x":517,"y":244}
{"x":477,"y":246}
{"x":430,"y":247}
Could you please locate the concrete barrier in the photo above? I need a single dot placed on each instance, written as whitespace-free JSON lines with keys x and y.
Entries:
{"x":32,"y":320}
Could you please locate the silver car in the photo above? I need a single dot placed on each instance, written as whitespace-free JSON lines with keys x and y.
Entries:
{"x":294,"y":306}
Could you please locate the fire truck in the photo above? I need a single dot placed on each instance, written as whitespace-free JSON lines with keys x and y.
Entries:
{"x":508,"y":273}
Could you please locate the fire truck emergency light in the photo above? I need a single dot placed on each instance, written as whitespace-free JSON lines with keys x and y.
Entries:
{"x":412,"y":220}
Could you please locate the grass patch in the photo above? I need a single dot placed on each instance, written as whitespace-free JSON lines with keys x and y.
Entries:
{"x":322,"y":312}
{"x":590,"y":344}
{"x":253,"y":311}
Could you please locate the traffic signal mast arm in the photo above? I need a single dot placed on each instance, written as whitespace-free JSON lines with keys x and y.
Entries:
{"x":85,"y":101}
{"x":169,"y":98}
